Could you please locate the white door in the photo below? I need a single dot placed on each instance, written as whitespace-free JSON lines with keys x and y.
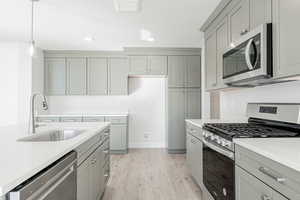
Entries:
{"x":97,"y":76}
{"x":193,"y":71}
{"x":138,"y":65}
{"x":76,"y":72}
{"x":157,"y":65}
{"x":176,"y":71}
{"x":193,"y":103}
{"x":176,"y":117}
{"x":118,"y":79}
{"x":55,"y":75}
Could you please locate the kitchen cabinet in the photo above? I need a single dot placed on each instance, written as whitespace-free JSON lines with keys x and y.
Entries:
{"x":83,"y":183}
{"x":148,"y":65}
{"x":118,"y":138}
{"x":193,"y":75}
{"x":176,"y":117}
{"x":193,"y":103}
{"x":176,"y":71}
{"x":55,"y":79}
{"x":97,"y":76}
{"x":239,"y":20}
{"x":286,"y":38}
{"x":211,"y":61}
{"x":118,"y":76}
{"x":260,"y":12}
{"x":249,"y":187}
{"x":76,"y":76}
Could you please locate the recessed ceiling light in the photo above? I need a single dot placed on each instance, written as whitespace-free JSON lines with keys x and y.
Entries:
{"x":127,"y":5}
{"x":89,"y":39}
{"x":146,"y":35}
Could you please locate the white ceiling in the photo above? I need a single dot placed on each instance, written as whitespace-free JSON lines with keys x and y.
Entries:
{"x":63,"y":24}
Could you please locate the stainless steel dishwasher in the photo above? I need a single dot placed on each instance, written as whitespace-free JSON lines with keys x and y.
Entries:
{"x":56,"y":182}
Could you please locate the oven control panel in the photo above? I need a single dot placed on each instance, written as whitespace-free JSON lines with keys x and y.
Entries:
{"x":213,"y":138}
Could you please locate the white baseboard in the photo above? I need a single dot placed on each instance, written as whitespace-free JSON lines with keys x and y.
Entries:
{"x":142,"y":145}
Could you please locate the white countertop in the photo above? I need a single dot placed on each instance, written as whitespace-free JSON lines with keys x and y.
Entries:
{"x":200,"y":122}
{"x":21,"y":160}
{"x":85,"y":115}
{"x":285,"y":151}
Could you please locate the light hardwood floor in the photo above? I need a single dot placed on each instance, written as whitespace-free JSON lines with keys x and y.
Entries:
{"x":150,"y":174}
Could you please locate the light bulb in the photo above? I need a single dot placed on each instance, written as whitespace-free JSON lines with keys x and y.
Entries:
{"x":32,"y":49}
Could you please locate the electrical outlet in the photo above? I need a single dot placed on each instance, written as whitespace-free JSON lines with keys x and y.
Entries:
{"x":147,"y":136}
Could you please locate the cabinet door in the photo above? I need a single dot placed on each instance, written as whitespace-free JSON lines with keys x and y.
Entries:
{"x":193,"y":103}
{"x":157,"y":65}
{"x":286,"y":37}
{"x":222,"y":45}
{"x":97,"y":76}
{"x":119,"y":70}
{"x":176,"y":117}
{"x":193,"y":71}
{"x":99,"y":172}
{"x":83,"y":181}
{"x":118,"y":137}
{"x":55,"y":72}
{"x":197,"y":161}
{"x":176,"y":71}
{"x":138,"y":65}
{"x":260,"y":12}
{"x":76,"y":76}
{"x":189,"y":152}
{"x":239,"y":19}
{"x":94,"y":176}
{"x":210,"y":60}
{"x":249,"y":187}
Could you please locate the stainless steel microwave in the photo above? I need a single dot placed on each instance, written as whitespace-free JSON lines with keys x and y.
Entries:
{"x":249,"y":61}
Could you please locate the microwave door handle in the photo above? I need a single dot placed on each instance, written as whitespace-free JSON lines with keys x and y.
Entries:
{"x":247,"y":55}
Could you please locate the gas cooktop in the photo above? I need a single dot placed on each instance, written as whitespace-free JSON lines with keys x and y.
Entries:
{"x":247,"y":130}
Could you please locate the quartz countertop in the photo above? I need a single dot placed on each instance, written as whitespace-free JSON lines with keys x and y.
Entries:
{"x":85,"y":115}
{"x":285,"y":151}
{"x":21,"y":160}
{"x":200,"y":122}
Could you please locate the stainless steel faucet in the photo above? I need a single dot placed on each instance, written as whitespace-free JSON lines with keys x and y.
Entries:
{"x":45,"y":107}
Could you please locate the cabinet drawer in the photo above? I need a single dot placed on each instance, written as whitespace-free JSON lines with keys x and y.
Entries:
{"x":194,"y":130}
{"x":47,"y":119}
{"x":93,"y":119}
{"x":283,"y":179}
{"x":116,"y":120}
{"x":71,"y":119}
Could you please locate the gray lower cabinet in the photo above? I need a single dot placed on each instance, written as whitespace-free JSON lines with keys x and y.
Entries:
{"x":97,"y":76}
{"x":194,"y":158}
{"x":76,"y":76}
{"x":118,"y":76}
{"x":55,"y":79}
{"x":118,"y":139}
{"x":248,"y":187}
{"x":83,"y":183}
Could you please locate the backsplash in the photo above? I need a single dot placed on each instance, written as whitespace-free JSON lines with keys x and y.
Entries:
{"x":233,"y":103}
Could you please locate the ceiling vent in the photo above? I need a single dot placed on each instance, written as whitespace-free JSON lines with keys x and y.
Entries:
{"x":127,"y":5}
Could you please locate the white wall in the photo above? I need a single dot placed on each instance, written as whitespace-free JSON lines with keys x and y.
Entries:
{"x":233,"y":103}
{"x":15,"y":83}
{"x":145,"y":104}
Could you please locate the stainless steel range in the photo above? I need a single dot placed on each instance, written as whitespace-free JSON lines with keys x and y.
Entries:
{"x":264,"y":120}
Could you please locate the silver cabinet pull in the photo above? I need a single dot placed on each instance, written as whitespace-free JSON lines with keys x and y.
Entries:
{"x":267,"y":172}
{"x":266,"y":197}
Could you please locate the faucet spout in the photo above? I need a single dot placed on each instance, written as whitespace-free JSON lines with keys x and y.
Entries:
{"x":45,"y":107}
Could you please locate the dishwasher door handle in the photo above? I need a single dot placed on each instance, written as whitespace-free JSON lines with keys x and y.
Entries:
{"x":56,"y":184}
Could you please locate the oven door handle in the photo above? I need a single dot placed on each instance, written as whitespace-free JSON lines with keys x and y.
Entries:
{"x":220,"y":150}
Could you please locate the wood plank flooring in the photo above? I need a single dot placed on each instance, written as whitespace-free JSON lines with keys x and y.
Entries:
{"x":150,"y":174}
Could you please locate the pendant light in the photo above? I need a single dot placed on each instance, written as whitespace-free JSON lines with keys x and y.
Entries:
{"x":32,"y":42}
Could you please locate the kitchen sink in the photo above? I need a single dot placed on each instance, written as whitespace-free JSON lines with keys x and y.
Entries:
{"x":52,"y":136}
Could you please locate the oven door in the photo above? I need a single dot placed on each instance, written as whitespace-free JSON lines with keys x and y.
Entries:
{"x":218,"y":171}
{"x":250,"y":58}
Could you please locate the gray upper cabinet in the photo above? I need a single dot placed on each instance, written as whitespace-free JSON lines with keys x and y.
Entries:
{"x":55,"y":76}
{"x":286,"y":37}
{"x":222,"y":45}
{"x":176,"y":71}
{"x":157,"y":65}
{"x":118,"y":76}
{"x":176,"y":116}
{"x":193,"y":71}
{"x":138,"y":65}
{"x":193,"y":103}
{"x":260,"y":12}
{"x":97,"y":76}
{"x":211,"y":61}
{"x":239,"y":19}
{"x":249,"y":187}
{"x":76,"y":76}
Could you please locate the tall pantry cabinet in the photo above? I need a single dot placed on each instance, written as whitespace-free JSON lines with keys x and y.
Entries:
{"x":184,"y":98}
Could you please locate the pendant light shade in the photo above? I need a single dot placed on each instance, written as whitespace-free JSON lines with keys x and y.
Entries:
{"x":32,"y":42}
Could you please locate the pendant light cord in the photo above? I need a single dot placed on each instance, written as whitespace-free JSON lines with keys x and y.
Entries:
{"x":32,"y":20}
